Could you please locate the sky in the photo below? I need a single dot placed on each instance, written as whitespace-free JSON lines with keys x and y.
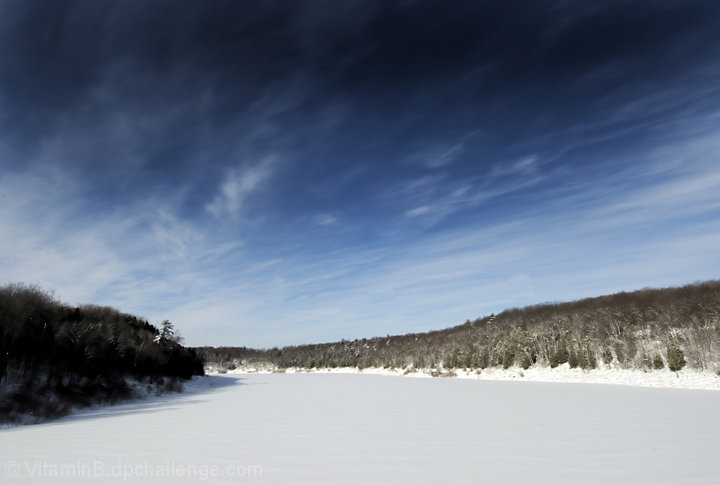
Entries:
{"x":285,"y":172}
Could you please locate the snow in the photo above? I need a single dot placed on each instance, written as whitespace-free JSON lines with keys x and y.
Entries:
{"x":685,"y":379}
{"x":331,"y":428}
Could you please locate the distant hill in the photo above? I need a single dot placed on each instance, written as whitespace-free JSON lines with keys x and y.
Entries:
{"x":666,"y":328}
{"x":54,"y":356}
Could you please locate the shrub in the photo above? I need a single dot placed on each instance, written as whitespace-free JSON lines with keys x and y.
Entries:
{"x":675,"y":357}
{"x":588,"y":360}
{"x":508,"y":358}
{"x":560,"y":356}
{"x":573,"y":359}
{"x":657,"y":362}
{"x":607,"y":356}
{"x":526,"y":361}
{"x":620,"y":353}
{"x":481,"y":359}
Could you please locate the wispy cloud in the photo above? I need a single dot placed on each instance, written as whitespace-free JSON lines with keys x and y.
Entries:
{"x":324,"y":219}
{"x":238,"y":186}
{"x":439,"y":155}
{"x":148,"y":259}
{"x":525,"y":166}
{"x":140,"y":257}
{"x":419,"y":211}
{"x":432,"y":199}
{"x":684,"y":197}
{"x":444,"y":157}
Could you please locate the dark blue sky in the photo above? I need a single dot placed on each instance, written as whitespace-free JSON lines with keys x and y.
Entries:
{"x":276,"y":172}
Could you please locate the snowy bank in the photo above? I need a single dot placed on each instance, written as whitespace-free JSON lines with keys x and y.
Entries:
{"x":684,"y":379}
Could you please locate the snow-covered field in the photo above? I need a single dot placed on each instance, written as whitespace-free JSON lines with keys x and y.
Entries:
{"x":351,"y":429}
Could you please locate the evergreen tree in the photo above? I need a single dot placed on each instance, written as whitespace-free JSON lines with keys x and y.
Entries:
{"x":675,"y":357}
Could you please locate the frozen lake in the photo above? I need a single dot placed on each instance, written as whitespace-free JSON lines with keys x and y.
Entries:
{"x":353,"y":429}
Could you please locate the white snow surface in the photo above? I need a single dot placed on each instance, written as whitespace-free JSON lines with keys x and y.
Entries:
{"x":684,"y":379}
{"x":330,"y":428}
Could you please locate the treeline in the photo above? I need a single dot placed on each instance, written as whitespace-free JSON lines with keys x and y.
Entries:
{"x":54,"y":356}
{"x":652,"y":328}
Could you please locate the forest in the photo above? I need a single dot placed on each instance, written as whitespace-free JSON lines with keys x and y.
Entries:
{"x":54,"y":357}
{"x":669,"y":328}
